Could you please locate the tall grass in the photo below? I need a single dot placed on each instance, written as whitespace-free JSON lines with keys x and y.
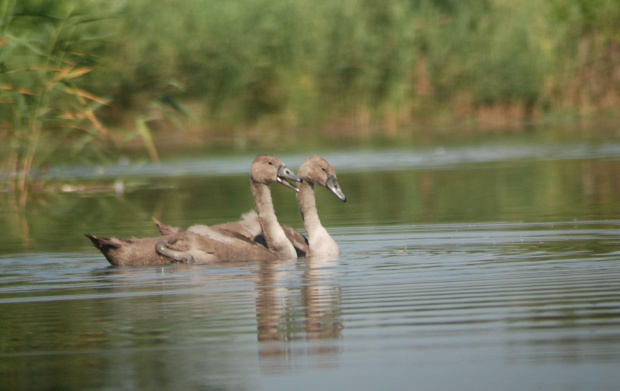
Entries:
{"x":302,"y":63}
{"x":352,"y":66}
{"x":41,"y":103}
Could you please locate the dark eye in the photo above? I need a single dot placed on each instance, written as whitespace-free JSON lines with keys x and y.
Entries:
{"x":324,"y":170}
{"x":270,"y":163}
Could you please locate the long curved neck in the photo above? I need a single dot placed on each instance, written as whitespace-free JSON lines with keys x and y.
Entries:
{"x":319,"y":240}
{"x":274,"y":234}
{"x":307,"y":206}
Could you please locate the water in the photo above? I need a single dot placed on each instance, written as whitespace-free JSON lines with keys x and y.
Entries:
{"x":487,"y":266}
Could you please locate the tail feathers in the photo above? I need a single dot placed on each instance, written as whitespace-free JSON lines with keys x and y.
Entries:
{"x":103,"y":243}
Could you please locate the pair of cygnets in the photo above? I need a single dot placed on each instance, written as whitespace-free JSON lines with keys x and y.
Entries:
{"x":258,"y":236}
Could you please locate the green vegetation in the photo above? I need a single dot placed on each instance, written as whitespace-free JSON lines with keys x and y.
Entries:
{"x":360,"y":66}
{"x":256,"y":70}
{"x":42,"y":104}
{"x":47,"y":48}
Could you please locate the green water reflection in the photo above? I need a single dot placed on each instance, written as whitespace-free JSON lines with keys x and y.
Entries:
{"x":510,"y":191}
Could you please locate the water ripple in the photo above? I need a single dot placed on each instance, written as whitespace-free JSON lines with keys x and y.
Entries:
{"x":513,"y":293}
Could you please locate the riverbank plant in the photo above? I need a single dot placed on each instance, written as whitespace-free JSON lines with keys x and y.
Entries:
{"x":264,"y":72}
{"x":354,"y":67}
{"x":43,"y":108}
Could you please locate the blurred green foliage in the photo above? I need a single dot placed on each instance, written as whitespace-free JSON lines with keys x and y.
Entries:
{"x":45,"y":49}
{"x":350,"y":66}
{"x":358,"y":62}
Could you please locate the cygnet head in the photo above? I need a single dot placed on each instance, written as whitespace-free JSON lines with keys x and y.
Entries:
{"x":267,"y":169}
{"x":317,"y":170}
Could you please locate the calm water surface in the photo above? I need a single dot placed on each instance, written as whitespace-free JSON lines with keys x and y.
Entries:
{"x":488,"y":266}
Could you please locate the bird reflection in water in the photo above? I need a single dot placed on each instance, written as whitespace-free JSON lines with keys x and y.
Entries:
{"x":290,"y":312}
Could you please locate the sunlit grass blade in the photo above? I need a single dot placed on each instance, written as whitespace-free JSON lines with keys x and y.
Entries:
{"x":145,"y":134}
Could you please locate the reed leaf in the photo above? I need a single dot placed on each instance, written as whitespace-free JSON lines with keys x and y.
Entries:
{"x":145,"y":134}
{"x":46,"y":107}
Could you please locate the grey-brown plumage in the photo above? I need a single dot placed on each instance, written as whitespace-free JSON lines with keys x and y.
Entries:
{"x":248,"y":227}
{"x":183,"y":247}
{"x":209,"y":245}
{"x":314,"y":170}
